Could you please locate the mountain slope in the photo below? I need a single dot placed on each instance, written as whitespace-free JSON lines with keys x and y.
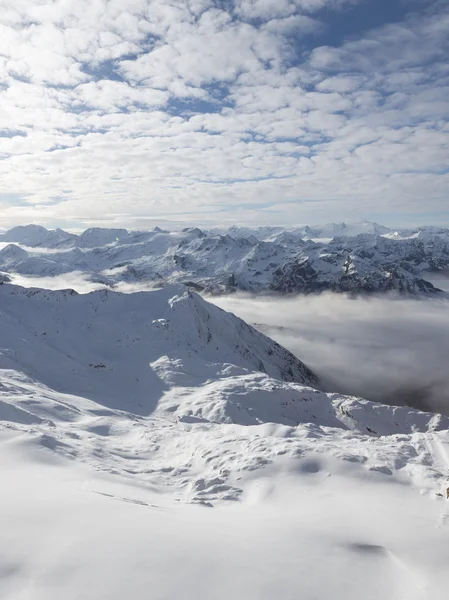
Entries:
{"x":102,"y":344}
{"x":119,"y":412}
{"x":171,"y":352}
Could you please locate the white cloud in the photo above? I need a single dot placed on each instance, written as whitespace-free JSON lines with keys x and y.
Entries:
{"x":112,"y":96}
{"x":115,"y":110}
{"x":273,"y":9}
{"x":340,"y":83}
{"x":385,"y":349}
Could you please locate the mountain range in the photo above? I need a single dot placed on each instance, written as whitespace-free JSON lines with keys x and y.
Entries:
{"x":355,"y":258}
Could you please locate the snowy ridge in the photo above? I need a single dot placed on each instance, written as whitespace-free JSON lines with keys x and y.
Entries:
{"x":358,"y":258}
{"x":65,"y":331}
{"x":168,"y":363}
{"x":123,"y":416}
{"x":327,"y":231}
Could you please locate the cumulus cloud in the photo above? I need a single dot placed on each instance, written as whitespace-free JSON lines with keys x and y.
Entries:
{"x":200,"y":111}
{"x":384,"y":349}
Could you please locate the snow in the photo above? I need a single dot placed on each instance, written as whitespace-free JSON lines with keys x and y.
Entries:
{"x":319,"y":232}
{"x":153,"y":445}
{"x":359,"y":258}
{"x":306,"y":523}
{"x":98,"y":237}
{"x":63,"y":335}
{"x":317,"y":530}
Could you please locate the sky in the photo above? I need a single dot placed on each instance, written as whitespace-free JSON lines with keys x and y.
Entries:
{"x":142,"y":112}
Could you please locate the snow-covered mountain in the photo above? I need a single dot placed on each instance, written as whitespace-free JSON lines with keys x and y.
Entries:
{"x":36,"y":235}
{"x":327,"y":231}
{"x":118,"y":412}
{"x":103,"y":342}
{"x":171,"y":353}
{"x":282,"y":260}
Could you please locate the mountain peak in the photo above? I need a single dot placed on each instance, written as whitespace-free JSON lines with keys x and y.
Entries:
{"x":57,"y":336}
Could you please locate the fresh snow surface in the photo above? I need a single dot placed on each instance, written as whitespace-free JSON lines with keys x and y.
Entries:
{"x":155,"y":446}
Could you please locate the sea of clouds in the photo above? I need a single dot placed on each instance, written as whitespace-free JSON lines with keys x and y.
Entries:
{"x":388,"y":349}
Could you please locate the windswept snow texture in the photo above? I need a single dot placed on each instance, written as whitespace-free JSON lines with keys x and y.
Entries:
{"x":356,"y":258}
{"x":153,"y":445}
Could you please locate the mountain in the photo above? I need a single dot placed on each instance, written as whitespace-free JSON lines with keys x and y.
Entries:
{"x":98,"y":237}
{"x":105,"y":343}
{"x":327,"y":231}
{"x":135,"y":352}
{"x":128,"y":351}
{"x":332,"y":230}
{"x":153,"y":433}
{"x":360,"y":266}
{"x":37,"y":236}
{"x":301,"y":260}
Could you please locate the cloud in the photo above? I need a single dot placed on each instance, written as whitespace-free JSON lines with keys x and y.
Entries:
{"x":390,"y":350}
{"x":186,"y":111}
{"x":272,"y":9}
{"x":75,"y":280}
{"x":390,"y":48}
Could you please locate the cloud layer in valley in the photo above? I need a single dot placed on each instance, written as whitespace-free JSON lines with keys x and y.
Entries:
{"x":391,"y":350}
{"x":112,"y":112}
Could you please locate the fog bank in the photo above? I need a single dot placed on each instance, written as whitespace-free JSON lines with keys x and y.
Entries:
{"x":387,"y":349}
{"x":78,"y":281}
